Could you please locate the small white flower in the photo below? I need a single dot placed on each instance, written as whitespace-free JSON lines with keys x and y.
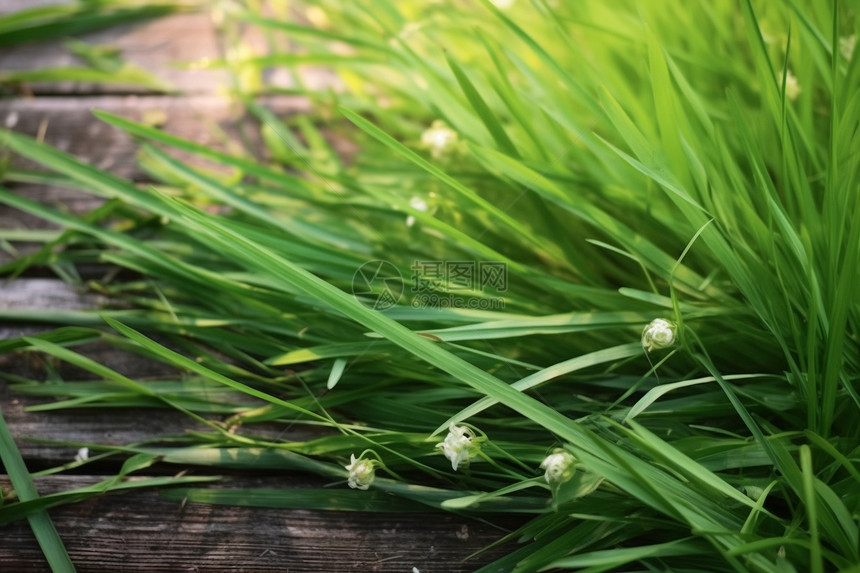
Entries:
{"x":660,"y":333}
{"x":792,"y":87}
{"x":558,"y":466}
{"x":459,"y":446}
{"x":82,"y":455}
{"x":439,"y":139}
{"x":418,"y":204}
{"x":361,"y":473}
{"x":846,"y":46}
{"x":503,"y":4}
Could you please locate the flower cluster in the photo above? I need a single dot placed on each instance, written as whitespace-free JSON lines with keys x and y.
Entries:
{"x":558,"y":466}
{"x":660,"y":333}
{"x":459,"y":446}
{"x":361,"y":472}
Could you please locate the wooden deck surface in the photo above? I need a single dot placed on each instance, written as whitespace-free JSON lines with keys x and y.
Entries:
{"x":143,"y":530}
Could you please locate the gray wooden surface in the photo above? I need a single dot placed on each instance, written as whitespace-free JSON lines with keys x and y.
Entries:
{"x":141,"y":530}
{"x":154,"y":45}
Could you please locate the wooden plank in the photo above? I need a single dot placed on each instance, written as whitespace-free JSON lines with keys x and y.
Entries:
{"x":34,"y":432}
{"x":155,"y":45}
{"x":40,"y":294}
{"x":9,"y":6}
{"x":86,"y":426}
{"x":67,"y":123}
{"x":175,"y":48}
{"x":140,"y":531}
{"x":65,"y":199}
{"x":44,"y":293}
{"x":91,"y":426}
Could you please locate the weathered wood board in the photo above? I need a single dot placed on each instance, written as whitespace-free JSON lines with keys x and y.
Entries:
{"x":141,"y":530}
{"x":155,"y":45}
{"x":179,"y":49}
{"x":68,"y":124}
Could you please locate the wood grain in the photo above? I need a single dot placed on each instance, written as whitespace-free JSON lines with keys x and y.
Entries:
{"x":44,"y":293}
{"x":38,"y":294}
{"x":140,"y":531}
{"x":34,"y":431}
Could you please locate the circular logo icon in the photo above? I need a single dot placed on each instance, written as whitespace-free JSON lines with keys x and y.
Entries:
{"x":377,"y":285}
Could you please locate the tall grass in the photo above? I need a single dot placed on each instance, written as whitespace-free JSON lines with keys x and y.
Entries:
{"x":696,"y":162}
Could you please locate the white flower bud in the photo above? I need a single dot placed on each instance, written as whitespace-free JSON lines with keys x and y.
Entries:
{"x":418,"y":204}
{"x":558,"y":466}
{"x":459,"y":446}
{"x":361,"y":473}
{"x":439,"y":139}
{"x":660,"y":333}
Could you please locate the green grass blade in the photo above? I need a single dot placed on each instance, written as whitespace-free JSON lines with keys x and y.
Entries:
{"x":43,"y":528}
{"x":491,"y":122}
